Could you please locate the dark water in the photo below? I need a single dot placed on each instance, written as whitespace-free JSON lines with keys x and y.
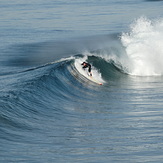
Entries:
{"x":50,"y":112}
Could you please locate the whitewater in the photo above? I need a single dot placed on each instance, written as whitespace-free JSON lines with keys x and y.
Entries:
{"x":50,"y":109}
{"x":143,"y":46}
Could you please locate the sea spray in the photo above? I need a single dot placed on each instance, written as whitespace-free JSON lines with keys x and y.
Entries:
{"x":143,"y":45}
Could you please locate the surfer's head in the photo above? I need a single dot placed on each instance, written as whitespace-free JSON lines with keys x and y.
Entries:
{"x":83,"y":63}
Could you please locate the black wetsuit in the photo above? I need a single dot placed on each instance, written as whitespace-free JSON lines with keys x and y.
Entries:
{"x":89,"y":67}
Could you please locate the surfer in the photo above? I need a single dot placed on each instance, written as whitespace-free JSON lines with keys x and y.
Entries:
{"x":87,"y":65}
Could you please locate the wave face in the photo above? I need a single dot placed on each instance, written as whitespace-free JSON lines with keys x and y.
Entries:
{"x":51,"y":89}
{"x":37,"y":94}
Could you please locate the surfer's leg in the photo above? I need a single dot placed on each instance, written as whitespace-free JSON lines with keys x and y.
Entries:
{"x":89,"y":70}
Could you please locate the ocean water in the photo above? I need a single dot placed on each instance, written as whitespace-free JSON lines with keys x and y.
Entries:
{"x":50,"y":111}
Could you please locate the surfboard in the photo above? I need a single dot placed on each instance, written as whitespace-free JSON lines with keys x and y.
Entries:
{"x":94,"y":80}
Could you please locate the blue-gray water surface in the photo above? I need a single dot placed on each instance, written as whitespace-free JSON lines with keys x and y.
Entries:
{"x":50,"y":111}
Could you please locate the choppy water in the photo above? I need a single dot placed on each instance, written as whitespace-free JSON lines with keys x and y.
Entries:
{"x":50,"y":112}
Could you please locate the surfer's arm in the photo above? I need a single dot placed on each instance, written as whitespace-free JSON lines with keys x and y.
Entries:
{"x":85,"y":66}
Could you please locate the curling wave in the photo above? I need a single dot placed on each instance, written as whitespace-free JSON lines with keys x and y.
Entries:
{"x":138,"y":52}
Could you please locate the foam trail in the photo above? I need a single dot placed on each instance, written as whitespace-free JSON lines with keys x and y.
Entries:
{"x":144,"y":48}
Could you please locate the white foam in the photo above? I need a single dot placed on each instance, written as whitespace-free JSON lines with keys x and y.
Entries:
{"x":144,"y":47}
